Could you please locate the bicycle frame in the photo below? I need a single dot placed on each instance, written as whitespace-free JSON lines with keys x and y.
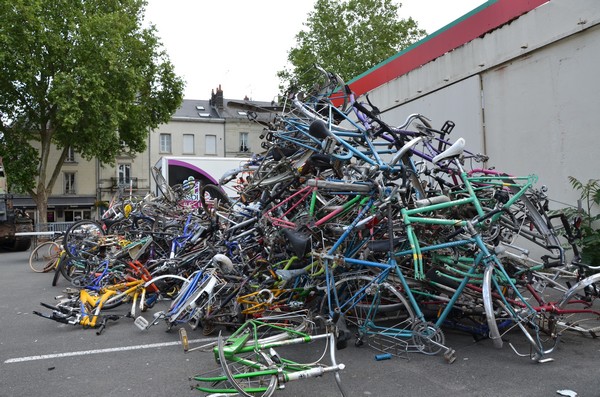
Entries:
{"x":92,"y":304}
{"x":301,"y":197}
{"x":191,"y":232}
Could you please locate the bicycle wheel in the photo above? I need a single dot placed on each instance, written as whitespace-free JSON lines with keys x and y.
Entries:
{"x":507,"y":310}
{"x":166,"y":191}
{"x":119,"y":227}
{"x":529,"y":219}
{"x":213,"y":196}
{"x":44,"y":256}
{"x":72,"y":268}
{"x":246,"y":374}
{"x":82,"y":239}
{"x":58,"y":266}
{"x":377,"y":300}
{"x":581,"y":305}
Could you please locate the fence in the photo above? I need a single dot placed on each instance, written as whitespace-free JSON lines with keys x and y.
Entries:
{"x":53,"y":227}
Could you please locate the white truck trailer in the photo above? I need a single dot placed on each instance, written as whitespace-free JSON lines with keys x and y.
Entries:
{"x":199,"y":170}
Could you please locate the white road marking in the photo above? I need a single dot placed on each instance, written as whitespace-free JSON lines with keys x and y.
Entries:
{"x":100,"y":351}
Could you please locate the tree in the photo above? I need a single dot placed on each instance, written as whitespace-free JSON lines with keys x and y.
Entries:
{"x":347,"y":37}
{"x":83,"y":74}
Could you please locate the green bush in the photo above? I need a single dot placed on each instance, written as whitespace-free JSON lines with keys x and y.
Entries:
{"x":589,"y":240}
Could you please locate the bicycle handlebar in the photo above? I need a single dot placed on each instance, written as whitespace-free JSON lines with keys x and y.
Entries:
{"x":556,"y":263}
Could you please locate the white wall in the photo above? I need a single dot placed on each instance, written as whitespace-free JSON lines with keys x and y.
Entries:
{"x":526,"y":94}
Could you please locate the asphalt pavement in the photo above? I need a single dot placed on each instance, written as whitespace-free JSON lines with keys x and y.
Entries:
{"x":42,"y":357}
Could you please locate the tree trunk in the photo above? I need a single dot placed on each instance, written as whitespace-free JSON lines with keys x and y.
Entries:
{"x":41,"y":201}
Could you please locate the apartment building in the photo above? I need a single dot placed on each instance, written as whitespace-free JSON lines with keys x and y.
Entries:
{"x":199,"y":128}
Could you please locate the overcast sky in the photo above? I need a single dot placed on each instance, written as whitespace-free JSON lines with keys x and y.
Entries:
{"x":241,"y":44}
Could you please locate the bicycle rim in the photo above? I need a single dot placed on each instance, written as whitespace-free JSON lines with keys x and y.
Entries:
{"x":249,"y":378}
{"x":44,"y":256}
{"x":582,"y":300}
{"x":515,"y":314}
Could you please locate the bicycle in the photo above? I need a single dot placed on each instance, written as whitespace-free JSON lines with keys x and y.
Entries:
{"x":86,"y":306}
{"x":83,"y":307}
{"x":44,"y":256}
{"x":249,"y":365}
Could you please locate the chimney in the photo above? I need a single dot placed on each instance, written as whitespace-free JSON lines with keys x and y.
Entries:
{"x":217,"y":98}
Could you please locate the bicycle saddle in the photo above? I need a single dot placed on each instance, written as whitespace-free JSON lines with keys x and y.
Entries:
{"x":223,"y":263}
{"x":405,"y":149}
{"x":298,"y":241}
{"x":319,"y":129}
{"x":453,"y":151}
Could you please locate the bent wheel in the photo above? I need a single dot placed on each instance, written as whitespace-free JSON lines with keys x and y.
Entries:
{"x":248,"y":379}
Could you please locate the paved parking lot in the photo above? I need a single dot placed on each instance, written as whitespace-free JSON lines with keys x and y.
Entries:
{"x":42,"y":357}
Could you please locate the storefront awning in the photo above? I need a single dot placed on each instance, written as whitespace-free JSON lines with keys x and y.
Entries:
{"x":53,"y":202}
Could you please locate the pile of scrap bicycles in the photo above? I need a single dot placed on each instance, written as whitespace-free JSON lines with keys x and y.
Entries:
{"x":344,"y":228}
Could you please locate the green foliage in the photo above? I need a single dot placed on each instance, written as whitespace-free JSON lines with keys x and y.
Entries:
{"x":348,"y":37}
{"x":590,"y":229}
{"x":79,"y":73}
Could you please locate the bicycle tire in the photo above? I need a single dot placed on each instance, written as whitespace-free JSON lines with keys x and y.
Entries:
{"x":119,"y":227}
{"x":251,"y":377}
{"x":162,"y":185}
{"x":537,"y":229}
{"x":213,"y":196}
{"x":499,"y":309}
{"x":82,"y":237}
{"x":57,"y":268}
{"x":390,"y":300}
{"x":585,"y":293}
{"x":44,"y":256}
{"x":71,"y":267}
{"x":494,"y":332}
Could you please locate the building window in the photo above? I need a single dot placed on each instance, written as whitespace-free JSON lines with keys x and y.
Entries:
{"x":244,"y":145}
{"x":70,"y":183}
{"x":211,"y":144}
{"x":70,"y":155}
{"x":77,"y":215}
{"x":50,"y":216}
{"x":188,"y":144}
{"x":165,"y":143}
{"x":124,"y":173}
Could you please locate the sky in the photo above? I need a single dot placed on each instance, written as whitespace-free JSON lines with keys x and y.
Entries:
{"x":240,"y":44}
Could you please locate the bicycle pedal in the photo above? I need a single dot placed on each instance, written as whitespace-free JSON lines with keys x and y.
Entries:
{"x":450,"y":356}
{"x":141,"y":323}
